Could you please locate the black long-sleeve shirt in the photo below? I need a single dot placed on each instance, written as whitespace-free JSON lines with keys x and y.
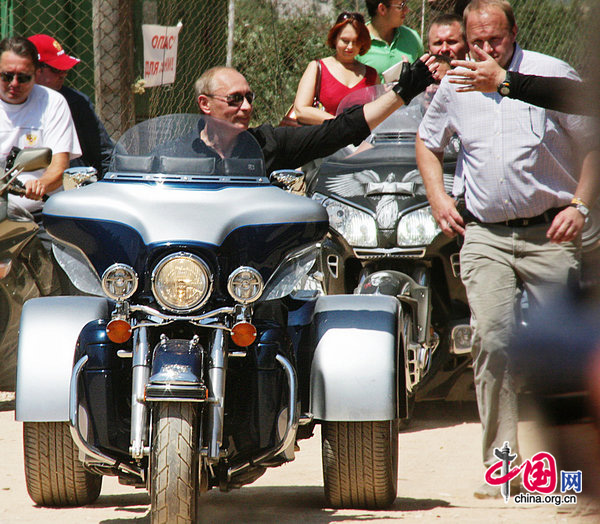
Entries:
{"x":292,"y":147}
{"x":96,"y":145}
{"x":283,"y":147}
{"x":557,"y":93}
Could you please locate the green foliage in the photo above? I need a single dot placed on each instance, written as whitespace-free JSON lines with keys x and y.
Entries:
{"x":272,"y":52}
{"x":553,"y":27}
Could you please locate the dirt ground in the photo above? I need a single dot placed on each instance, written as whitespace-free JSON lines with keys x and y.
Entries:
{"x":439,"y":469}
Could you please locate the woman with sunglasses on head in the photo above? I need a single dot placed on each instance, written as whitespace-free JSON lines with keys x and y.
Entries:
{"x":329,"y":80}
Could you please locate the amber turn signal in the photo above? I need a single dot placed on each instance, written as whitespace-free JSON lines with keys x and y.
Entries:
{"x":118,"y":331}
{"x":243,"y":334}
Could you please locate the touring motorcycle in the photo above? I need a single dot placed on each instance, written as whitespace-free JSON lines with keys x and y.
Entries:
{"x":27,"y":270}
{"x":385,"y":241}
{"x":192,"y":363}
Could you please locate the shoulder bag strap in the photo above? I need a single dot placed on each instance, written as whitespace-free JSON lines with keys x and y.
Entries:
{"x":317,"y":85}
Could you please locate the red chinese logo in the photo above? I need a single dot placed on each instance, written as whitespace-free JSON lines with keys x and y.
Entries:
{"x":539,"y":473}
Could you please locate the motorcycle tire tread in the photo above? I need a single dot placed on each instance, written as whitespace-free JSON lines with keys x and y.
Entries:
{"x":174,"y":485}
{"x":53,"y":472}
{"x":360,"y":463}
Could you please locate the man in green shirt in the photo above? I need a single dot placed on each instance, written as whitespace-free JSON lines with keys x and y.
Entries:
{"x":391,"y":41}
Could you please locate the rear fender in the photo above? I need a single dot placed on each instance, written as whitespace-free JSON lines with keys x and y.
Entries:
{"x":354,"y":372}
{"x":50,"y":327}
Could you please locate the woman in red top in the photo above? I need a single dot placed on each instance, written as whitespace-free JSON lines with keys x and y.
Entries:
{"x":340,"y":73}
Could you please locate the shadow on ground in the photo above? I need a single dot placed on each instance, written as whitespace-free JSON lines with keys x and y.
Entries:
{"x":273,"y":504}
{"x":431,"y":414}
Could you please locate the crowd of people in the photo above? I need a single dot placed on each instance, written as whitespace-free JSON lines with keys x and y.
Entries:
{"x":528,"y":175}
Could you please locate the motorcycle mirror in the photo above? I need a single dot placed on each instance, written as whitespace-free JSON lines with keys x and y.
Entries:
{"x":33,"y":158}
{"x":290,"y":180}
{"x":75,"y":177}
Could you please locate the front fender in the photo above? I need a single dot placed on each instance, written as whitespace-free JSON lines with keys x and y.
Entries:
{"x":354,"y":372}
{"x":48,"y":336}
{"x":415,"y":295}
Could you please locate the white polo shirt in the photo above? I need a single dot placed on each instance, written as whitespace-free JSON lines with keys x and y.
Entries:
{"x":43,"y":120}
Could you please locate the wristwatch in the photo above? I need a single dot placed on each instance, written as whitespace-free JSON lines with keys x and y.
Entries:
{"x":581,"y":206}
{"x":504,"y":86}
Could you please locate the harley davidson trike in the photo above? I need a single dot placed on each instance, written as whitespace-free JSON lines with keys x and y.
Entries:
{"x":192,"y":362}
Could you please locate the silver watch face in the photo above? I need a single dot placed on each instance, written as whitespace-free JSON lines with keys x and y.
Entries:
{"x":584,"y":210}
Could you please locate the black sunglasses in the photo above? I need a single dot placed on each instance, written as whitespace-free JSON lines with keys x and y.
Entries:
{"x":236,"y":99}
{"x":350,"y":16}
{"x":22,"y":78}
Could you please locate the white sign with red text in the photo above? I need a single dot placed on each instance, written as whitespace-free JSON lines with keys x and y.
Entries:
{"x":160,"y":53}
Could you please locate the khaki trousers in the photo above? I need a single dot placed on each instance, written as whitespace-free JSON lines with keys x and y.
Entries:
{"x":496,"y":262}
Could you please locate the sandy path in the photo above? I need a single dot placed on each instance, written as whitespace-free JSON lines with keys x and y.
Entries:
{"x":439,"y":468}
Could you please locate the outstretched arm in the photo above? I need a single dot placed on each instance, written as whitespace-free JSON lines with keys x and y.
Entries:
{"x":556,"y":93}
{"x":294,"y":146}
{"x":413,"y":80}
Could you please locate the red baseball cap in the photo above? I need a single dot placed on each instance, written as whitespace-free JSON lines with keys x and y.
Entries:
{"x":50,"y":52}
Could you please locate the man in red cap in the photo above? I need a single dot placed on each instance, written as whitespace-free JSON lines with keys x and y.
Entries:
{"x":55,"y":63}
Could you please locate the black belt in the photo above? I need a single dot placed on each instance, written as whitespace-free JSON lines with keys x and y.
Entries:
{"x":545,"y":218}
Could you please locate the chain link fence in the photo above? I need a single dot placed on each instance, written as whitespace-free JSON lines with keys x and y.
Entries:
{"x":269,"y":41}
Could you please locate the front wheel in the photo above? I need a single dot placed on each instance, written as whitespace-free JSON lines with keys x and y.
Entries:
{"x":53,"y":472}
{"x":174,"y":485}
{"x":360,"y":463}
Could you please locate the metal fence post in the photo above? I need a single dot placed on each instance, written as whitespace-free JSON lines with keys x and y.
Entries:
{"x":113,"y":59}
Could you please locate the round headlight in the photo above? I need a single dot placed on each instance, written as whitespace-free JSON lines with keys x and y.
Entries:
{"x":181,"y":282}
{"x":245,"y":285}
{"x":119,"y":281}
{"x":417,"y":228}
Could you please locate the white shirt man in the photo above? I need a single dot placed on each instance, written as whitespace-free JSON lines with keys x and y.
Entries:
{"x":520,"y":171}
{"x":33,"y":116}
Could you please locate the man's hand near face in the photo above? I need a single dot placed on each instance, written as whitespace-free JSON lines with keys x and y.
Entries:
{"x":482,"y":75}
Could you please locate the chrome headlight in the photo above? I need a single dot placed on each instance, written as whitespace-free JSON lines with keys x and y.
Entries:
{"x":181,"y":282}
{"x":245,"y":285}
{"x":357,"y":227}
{"x":119,"y":281}
{"x":417,"y":228}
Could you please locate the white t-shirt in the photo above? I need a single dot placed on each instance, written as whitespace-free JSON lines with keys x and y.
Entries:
{"x":43,"y":120}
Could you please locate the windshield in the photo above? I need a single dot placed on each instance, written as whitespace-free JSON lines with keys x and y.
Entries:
{"x":185,"y":147}
{"x":404,"y":120}
{"x":398,"y":129}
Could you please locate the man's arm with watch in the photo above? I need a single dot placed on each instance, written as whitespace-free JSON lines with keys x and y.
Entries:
{"x":570,"y":221}
{"x":555,"y":93}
